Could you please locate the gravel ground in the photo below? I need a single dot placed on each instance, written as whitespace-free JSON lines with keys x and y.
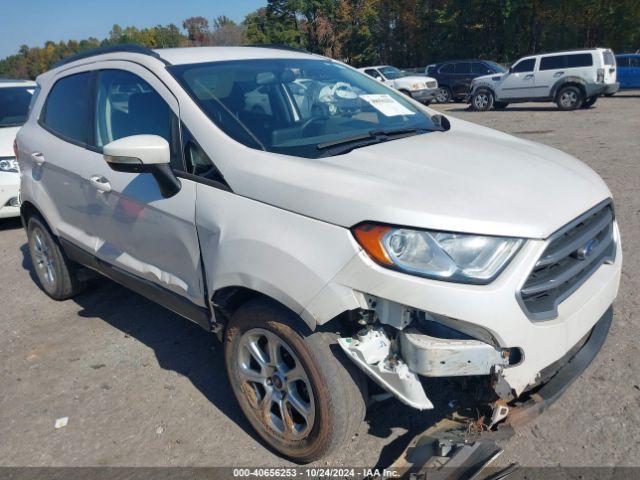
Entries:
{"x":143,"y":387}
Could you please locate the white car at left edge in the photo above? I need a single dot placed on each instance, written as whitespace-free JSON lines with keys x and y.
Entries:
{"x":15,"y":98}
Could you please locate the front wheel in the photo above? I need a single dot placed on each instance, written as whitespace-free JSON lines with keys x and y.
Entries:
{"x":482,"y":100}
{"x":589,"y":102}
{"x":569,"y":98}
{"x":301,"y":399}
{"x":444,"y":95}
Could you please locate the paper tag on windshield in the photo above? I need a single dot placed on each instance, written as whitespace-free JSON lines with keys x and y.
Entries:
{"x":386,"y":105}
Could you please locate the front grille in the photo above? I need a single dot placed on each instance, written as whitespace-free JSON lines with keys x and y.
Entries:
{"x":432,"y":84}
{"x":573,"y":254}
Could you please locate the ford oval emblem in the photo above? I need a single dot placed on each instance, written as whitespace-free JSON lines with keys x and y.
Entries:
{"x":587,"y":249}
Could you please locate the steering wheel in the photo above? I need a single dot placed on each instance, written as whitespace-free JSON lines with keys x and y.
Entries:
{"x":309,"y":123}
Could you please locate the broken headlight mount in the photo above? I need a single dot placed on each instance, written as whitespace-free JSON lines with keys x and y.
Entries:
{"x":396,"y":345}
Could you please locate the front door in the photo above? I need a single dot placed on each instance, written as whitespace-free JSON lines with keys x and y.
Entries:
{"x":520,"y":81}
{"x":139,"y":231}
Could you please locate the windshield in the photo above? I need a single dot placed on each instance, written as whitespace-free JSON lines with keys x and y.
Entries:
{"x":392,"y":73}
{"x":296,"y":106}
{"x":14,"y":105}
{"x":496,"y":66}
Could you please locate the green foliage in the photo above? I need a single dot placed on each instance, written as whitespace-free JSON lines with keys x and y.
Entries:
{"x":406,"y":33}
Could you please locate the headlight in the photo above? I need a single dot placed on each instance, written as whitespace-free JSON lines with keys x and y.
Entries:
{"x":9,"y":164}
{"x":454,"y":257}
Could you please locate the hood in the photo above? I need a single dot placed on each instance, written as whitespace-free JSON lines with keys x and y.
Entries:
{"x":7,"y":136}
{"x":412,"y":80}
{"x":492,"y":77}
{"x":470,"y":179}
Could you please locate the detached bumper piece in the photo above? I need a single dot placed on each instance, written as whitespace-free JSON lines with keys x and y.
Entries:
{"x":371,"y":352}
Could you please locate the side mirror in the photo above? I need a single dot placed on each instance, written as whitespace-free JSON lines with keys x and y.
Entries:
{"x":510,"y":69}
{"x":144,"y":154}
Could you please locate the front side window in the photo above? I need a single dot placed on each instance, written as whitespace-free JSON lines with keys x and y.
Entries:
{"x":463,"y":68}
{"x":68,"y":109}
{"x":495,"y":67}
{"x":296,"y":106}
{"x":448,"y":68}
{"x":524,"y":65}
{"x":127,"y":105}
{"x":14,"y":105}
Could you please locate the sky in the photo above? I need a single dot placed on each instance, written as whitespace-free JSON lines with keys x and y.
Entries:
{"x":33,"y":22}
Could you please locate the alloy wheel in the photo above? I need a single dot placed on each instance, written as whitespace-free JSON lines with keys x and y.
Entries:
{"x":276,"y":384}
{"x":45,"y":264}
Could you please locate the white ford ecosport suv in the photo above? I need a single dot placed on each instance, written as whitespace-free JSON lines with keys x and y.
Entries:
{"x":333,"y":242}
{"x":572,"y":79}
{"x":15,"y":98}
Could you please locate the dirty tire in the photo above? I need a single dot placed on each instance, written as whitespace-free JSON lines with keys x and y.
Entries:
{"x":335,"y":390}
{"x":569,"y":98}
{"x":500,"y":105}
{"x":482,"y":100}
{"x":589,"y":102}
{"x":57,"y":275}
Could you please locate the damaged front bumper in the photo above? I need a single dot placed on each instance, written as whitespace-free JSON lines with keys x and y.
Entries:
{"x":496,"y":340}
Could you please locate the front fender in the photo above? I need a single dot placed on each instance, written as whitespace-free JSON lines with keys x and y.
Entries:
{"x":286,"y":256}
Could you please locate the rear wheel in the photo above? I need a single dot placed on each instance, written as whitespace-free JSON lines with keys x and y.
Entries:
{"x":569,"y":98}
{"x":482,"y":100}
{"x":301,"y":399}
{"x":589,"y":102}
{"x":56,"y":274}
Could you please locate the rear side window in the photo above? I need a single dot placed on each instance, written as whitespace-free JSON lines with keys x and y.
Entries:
{"x":373,"y":73}
{"x":525,"y":65}
{"x":579,"y":60}
{"x":553,"y":63}
{"x":68,"y":109}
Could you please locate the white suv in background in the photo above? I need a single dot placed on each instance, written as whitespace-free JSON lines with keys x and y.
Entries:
{"x":15,"y":98}
{"x":360,"y":236}
{"x":572,"y":79}
{"x":419,"y":87}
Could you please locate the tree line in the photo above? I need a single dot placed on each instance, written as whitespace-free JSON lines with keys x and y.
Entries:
{"x":405,"y":33}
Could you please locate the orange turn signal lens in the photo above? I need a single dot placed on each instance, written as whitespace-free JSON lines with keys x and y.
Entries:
{"x":369,"y":236}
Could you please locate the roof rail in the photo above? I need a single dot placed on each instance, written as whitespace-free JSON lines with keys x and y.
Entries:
{"x":110,"y":49}
{"x":279,"y":46}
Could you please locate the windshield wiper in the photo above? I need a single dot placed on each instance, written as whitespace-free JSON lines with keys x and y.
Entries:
{"x":347,"y":144}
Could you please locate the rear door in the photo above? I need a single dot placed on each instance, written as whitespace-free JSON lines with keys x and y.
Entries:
{"x":520,"y":81}
{"x":610,"y":73}
{"x":551,"y":69}
{"x":57,"y":149}
{"x":139,"y":231}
